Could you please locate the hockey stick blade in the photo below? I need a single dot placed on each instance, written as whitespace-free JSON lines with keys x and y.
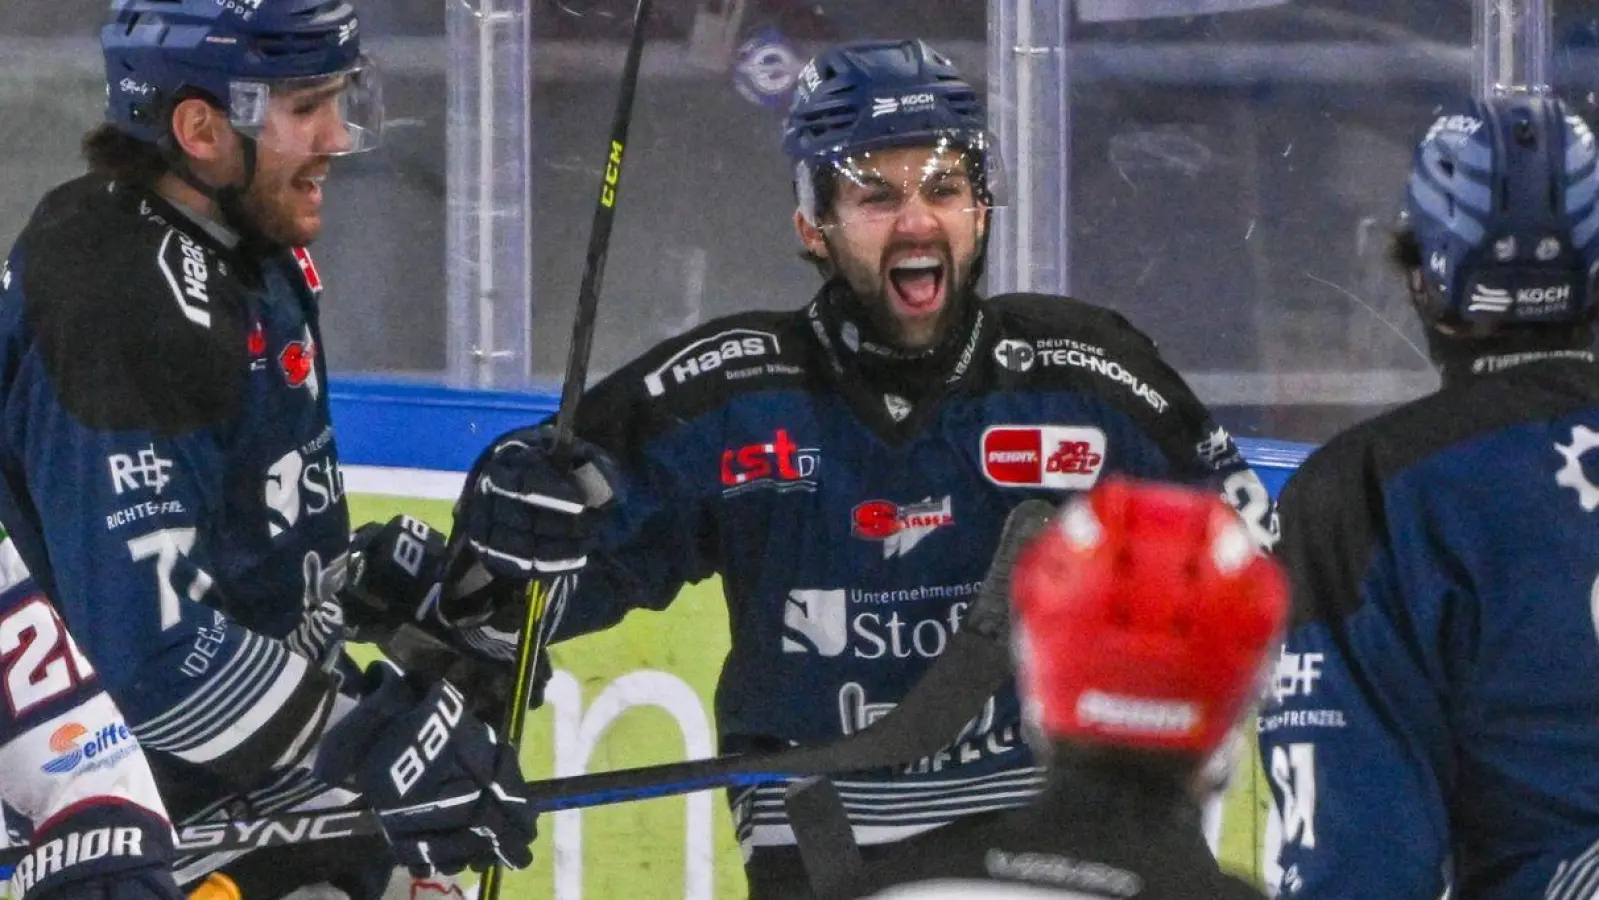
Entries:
{"x":972,"y":669}
{"x":827,"y":845}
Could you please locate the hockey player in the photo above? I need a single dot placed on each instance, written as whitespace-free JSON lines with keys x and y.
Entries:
{"x":167,"y":464}
{"x":69,"y":763}
{"x":1144,"y":620}
{"x":1436,"y":711}
{"x":846,"y":467}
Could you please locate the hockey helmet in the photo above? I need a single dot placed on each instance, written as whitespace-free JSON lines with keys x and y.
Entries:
{"x":860,"y":97}
{"x":1503,"y":201}
{"x":238,"y":54}
{"x":1145,"y":616}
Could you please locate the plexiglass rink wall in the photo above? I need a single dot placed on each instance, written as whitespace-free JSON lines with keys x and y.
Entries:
{"x":1226,"y":179}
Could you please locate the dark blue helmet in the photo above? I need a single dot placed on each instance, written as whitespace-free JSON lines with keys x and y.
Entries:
{"x":1504,"y":203}
{"x":160,"y":51}
{"x":869,"y":95}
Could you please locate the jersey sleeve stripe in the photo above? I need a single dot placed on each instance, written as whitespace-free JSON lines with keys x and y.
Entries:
{"x":244,"y":726}
{"x":241,"y":679}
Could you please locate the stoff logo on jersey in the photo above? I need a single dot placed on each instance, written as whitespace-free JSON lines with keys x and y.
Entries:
{"x":1049,"y":456}
{"x":305,"y":481}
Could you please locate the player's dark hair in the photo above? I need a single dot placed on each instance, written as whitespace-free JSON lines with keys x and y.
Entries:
{"x":1404,"y":250}
{"x":116,"y":156}
{"x":826,"y":183}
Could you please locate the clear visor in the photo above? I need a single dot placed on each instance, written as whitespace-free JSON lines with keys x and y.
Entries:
{"x":319,"y":115}
{"x":950,"y":177}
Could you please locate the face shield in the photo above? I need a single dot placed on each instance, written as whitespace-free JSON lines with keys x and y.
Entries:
{"x":319,"y":115}
{"x":954,"y":174}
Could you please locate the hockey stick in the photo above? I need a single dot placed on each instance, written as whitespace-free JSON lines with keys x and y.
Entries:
{"x":973,"y":668}
{"x":533,"y":637}
{"x":826,"y":841}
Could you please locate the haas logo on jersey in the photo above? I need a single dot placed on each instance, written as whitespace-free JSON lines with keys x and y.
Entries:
{"x":183,"y":265}
{"x":709,"y":355}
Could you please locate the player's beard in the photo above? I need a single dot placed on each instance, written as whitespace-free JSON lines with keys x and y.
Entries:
{"x":271,"y":207}
{"x":868,"y":281}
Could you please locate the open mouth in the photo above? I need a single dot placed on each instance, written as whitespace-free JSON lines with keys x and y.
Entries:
{"x":918,"y":283}
{"x":311,"y":187}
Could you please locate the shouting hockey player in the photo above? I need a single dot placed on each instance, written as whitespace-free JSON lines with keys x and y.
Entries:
{"x":1144,"y":617}
{"x":1436,"y":708}
{"x":69,"y":763}
{"x":167,"y":464}
{"x":846,"y":467}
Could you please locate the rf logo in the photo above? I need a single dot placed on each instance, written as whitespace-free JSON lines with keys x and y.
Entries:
{"x":142,"y":470}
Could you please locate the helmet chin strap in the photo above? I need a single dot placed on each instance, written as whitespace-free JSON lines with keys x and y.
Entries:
{"x":229,"y":199}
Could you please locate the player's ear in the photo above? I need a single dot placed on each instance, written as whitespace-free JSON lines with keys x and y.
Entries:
{"x":810,"y":235}
{"x":202,"y":131}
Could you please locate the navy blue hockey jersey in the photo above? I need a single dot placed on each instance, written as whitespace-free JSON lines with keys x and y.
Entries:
{"x":852,"y":527}
{"x":169,"y":474}
{"x":1435,"y":713}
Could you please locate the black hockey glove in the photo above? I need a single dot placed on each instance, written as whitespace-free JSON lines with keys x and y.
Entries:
{"x":524,"y":515}
{"x":393,"y":578}
{"x":450,"y":795}
{"x":99,"y":852}
{"x":391,"y":599}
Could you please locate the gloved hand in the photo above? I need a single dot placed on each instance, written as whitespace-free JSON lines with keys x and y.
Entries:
{"x":449,"y":794}
{"x":393,"y":577}
{"x":391,"y":598}
{"x":524,"y":515}
{"x":99,"y":852}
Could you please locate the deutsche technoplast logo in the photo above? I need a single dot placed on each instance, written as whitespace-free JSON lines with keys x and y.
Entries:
{"x":103,"y":748}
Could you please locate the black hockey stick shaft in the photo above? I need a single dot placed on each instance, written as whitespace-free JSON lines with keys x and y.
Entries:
{"x":825,"y":839}
{"x":588,"y":293}
{"x":577,"y":372}
{"x":921,"y":726}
